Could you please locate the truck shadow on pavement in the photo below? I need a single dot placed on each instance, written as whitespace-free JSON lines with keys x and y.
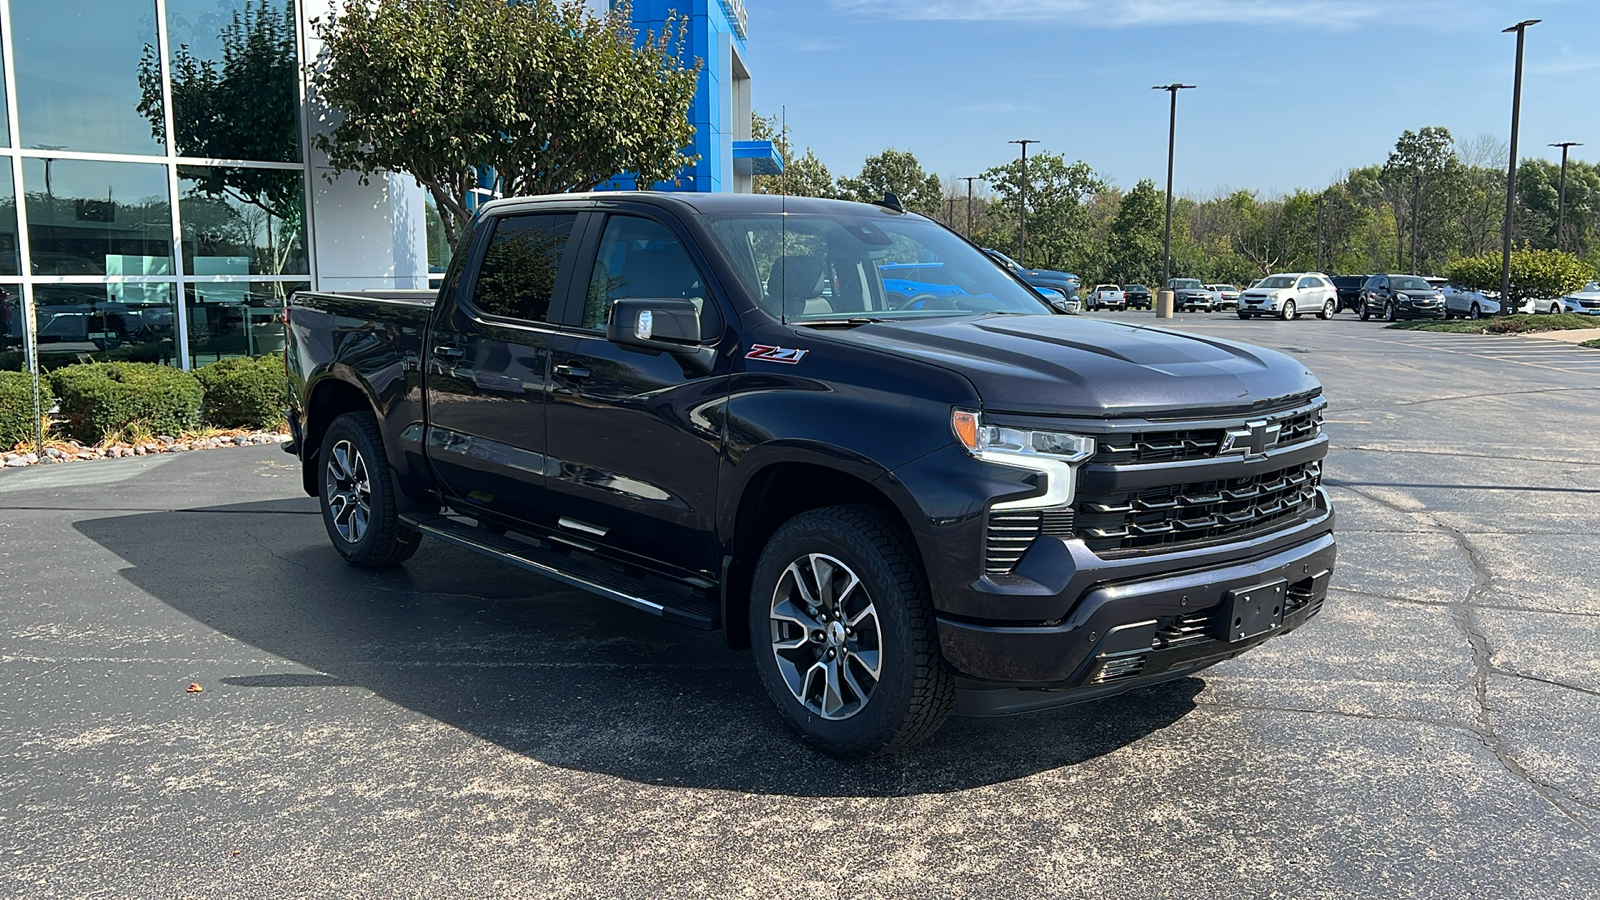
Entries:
{"x":554,"y":674}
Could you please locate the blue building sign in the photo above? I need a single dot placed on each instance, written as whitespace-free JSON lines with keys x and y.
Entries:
{"x":720,"y":111}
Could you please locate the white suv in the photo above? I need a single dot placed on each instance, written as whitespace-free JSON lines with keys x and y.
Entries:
{"x":1288,"y":294}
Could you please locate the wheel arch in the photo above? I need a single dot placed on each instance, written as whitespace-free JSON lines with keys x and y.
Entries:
{"x":329,"y":398}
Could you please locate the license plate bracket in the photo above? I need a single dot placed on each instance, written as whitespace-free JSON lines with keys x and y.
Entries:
{"x":1256,"y":611}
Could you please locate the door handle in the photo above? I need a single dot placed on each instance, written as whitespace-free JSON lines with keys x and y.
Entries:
{"x":449,"y":351}
{"x":571,"y":370}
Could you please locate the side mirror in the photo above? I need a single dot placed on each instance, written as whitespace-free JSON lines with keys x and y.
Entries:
{"x":668,"y":325}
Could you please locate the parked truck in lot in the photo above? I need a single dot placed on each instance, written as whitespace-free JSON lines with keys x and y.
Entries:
{"x":709,"y":407}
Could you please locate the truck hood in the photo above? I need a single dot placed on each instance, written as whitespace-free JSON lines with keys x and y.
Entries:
{"x":1060,"y":365}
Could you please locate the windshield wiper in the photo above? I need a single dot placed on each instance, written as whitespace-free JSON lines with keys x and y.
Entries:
{"x":843,"y":322}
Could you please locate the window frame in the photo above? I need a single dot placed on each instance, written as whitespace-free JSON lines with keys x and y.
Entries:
{"x":467,"y":288}
{"x":588,"y":256}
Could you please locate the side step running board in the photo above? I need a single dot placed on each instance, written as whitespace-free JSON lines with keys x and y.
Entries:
{"x":684,"y":607}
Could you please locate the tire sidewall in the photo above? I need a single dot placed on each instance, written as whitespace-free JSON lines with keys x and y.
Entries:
{"x":815,"y":532}
{"x":345,"y":428}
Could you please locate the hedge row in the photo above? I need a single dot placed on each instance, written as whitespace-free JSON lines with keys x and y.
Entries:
{"x":99,"y":399}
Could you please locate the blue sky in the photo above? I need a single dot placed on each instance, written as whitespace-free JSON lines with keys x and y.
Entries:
{"x":1291,"y":92}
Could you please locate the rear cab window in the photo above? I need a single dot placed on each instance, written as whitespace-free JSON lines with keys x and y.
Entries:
{"x":517,"y":279}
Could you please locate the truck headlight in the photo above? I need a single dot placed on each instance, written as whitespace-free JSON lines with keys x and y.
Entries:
{"x":1054,"y":454}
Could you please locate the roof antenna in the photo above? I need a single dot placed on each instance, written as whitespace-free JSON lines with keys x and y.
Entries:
{"x":783,"y":221}
{"x":890,"y":201}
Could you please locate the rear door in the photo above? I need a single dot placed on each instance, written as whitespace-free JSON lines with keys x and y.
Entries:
{"x":635,"y":438}
{"x":488,"y":363}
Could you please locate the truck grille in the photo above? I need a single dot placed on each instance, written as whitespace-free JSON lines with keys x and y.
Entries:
{"x":1198,"y":443}
{"x":1175,"y":515}
{"x":1012,"y":532}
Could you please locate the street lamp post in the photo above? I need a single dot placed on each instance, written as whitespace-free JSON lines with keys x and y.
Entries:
{"x":969,"y":179}
{"x":1561,"y":195}
{"x":1022,"y":252}
{"x":1172,"y":131}
{"x":1511,"y":170}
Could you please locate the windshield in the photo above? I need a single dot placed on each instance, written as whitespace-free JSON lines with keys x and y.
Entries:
{"x":1408,"y":283}
{"x":814,"y":268}
{"x":1180,"y":284}
{"x":1276,"y":281}
{"x":1108,"y":287}
{"x":1134,"y":287}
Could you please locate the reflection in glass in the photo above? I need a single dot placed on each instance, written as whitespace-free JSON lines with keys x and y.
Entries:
{"x":13,"y":330}
{"x":236,"y":318}
{"x":97,"y":218}
{"x":242,"y":221}
{"x":234,"y":72}
{"x":101,"y":322}
{"x":10,"y":259}
{"x":438,"y":244}
{"x":77,"y":67}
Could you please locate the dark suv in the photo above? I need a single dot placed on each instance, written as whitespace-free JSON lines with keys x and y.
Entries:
{"x":1397,"y":297}
{"x":1349,"y":287}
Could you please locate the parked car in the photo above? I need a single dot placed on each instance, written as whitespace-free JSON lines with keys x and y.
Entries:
{"x":1138,"y":296}
{"x":1287,"y":294}
{"x":1582,"y":303}
{"x":1065,"y":282}
{"x":1349,"y":288}
{"x":1396,"y":297}
{"x":1227,"y":296}
{"x":976,"y":502}
{"x":1460,"y":303}
{"x":1108,"y":296}
{"x":1060,"y":301}
{"x":1189,"y":295}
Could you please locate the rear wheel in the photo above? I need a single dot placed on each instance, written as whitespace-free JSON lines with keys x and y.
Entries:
{"x":358,"y":502}
{"x":1328,"y":309}
{"x":1555,"y":309}
{"x":843,"y":631}
{"x":1288,"y":310}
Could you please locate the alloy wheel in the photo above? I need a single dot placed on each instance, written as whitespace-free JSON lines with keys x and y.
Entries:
{"x":1474,"y":312}
{"x":826,"y":637}
{"x":349,"y":492}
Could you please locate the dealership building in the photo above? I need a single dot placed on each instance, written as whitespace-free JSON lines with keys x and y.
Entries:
{"x":169,"y":196}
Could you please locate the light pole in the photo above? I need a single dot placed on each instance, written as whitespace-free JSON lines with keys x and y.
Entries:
{"x":1511,"y":170}
{"x":1172,"y":131}
{"x":969,"y":179}
{"x":1022,"y":252}
{"x":1561,"y":195}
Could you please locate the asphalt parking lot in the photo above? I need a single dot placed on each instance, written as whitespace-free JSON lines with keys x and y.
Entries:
{"x":456,"y":728}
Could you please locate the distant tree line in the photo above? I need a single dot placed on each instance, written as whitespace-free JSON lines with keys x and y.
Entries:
{"x":1432,"y":203}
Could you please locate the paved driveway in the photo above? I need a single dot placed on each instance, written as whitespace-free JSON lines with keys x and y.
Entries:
{"x":455,"y":728}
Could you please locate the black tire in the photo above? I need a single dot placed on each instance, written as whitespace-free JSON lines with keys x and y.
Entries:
{"x":353,"y":445}
{"x":1388,"y":312}
{"x":913,"y":694}
{"x":1328,"y":309}
{"x":1364,"y":314}
{"x":1475,"y":312}
{"x":1555,"y":309}
{"x":1244,"y":315}
{"x":1289,"y":311}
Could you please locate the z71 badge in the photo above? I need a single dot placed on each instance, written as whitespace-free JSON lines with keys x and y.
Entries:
{"x":776,"y":354}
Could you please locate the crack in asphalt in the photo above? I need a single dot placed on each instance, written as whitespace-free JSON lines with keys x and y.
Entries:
{"x":1401,"y":404}
{"x":1498,"y":607}
{"x":1560,"y":684}
{"x":1453,"y":455}
{"x":1463,"y":613}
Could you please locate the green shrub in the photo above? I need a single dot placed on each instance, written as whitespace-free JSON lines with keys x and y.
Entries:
{"x":16,"y":408}
{"x":100,"y":399}
{"x":1534,"y":273}
{"x":245,"y":392}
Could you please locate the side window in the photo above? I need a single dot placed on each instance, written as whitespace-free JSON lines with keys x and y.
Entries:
{"x":642,"y":259}
{"x":518,"y":276}
{"x":1307,"y":282}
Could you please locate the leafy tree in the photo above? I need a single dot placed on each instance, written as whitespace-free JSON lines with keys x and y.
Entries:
{"x":1543,"y":274}
{"x":1135,"y":236}
{"x":1423,"y":178}
{"x":544,"y":93}
{"x":803,"y":176}
{"x":1059,"y":223}
{"x":895,"y":172}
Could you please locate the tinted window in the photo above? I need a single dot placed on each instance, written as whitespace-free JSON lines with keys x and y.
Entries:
{"x":641,"y":258}
{"x":87,"y":77}
{"x":1373,"y":283}
{"x":518,"y":277}
{"x":1410,"y":283}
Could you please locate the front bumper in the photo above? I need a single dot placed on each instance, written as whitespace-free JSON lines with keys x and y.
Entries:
{"x":1124,"y":634}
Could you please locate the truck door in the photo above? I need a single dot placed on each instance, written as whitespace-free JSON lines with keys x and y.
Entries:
{"x":489,"y":363}
{"x":634,"y":437}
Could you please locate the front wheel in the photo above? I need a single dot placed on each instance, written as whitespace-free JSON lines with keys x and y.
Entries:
{"x":1555,"y":309}
{"x":1475,"y":312}
{"x":842,"y":628}
{"x":1364,"y":314}
{"x":1388,"y":311}
{"x":358,"y":501}
{"x":1244,"y":315}
{"x":1288,"y":310}
{"x":1328,"y":309}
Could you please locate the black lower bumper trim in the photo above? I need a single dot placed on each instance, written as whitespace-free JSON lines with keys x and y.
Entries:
{"x":1134,"y":631}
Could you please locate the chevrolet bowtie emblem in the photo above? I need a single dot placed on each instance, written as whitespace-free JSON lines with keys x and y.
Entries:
{"x":1254,"y":439}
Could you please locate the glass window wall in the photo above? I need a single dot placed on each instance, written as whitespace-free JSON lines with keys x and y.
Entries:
{"x":242,"y":221}
{"x":88,"y":75}
{"x":236,"y":318}
{"x":134,"y":322}
{"x":97,"y":218}
{"x":13,"y":333}
{"x":234,"y":71}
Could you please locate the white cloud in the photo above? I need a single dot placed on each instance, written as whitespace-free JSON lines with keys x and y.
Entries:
{"x":1128,"y":13}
